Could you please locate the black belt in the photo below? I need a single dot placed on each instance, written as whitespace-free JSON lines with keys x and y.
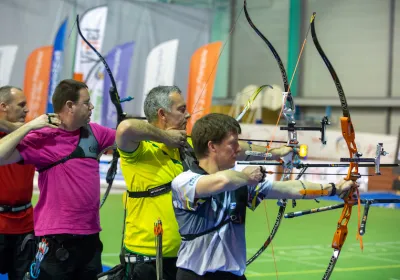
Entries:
{"x":14,"y":209}
{"x":166,"y":188}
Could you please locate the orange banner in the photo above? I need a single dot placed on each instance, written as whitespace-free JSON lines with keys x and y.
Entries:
{"x":203,"y":69}
{"x":78,"y":77}
{"x":37,"y":78}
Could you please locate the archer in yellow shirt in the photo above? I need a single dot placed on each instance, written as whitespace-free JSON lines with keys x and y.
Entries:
{"x":151,"y":165}
{"x":150,"y":160}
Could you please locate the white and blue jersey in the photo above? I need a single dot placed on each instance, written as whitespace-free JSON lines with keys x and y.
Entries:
{"x":212,"y":228}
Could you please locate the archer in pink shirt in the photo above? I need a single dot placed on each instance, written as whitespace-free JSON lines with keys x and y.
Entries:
{"x":64,"y":146}
{"x":69,"y":192}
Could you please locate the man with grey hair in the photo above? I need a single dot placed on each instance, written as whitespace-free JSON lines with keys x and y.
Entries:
{"x":13,"y":108}
{"x":152,"y":154}
{"x":17,"y":247}
{"x":150,"y":160}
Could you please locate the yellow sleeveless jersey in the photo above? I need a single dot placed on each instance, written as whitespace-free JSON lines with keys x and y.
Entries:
{"x":151,"y":165}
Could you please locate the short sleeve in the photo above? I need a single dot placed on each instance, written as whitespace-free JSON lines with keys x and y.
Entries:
{"x":105,"y":136}
{"x":184,"y":190}
{"x":135,"y":156}
{"x":29,"y":146}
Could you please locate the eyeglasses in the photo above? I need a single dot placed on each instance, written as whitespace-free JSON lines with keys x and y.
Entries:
{"x":87,"y":103}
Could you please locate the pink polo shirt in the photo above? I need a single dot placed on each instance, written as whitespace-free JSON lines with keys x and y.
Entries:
{"x":69,"y":192}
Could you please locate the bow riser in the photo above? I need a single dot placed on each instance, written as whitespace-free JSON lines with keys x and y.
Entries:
{"x":349,"y":137}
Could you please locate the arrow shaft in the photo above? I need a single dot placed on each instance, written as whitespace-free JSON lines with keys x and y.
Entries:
{"x":338,"y":206}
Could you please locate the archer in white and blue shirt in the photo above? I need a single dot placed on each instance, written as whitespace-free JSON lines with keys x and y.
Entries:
{"x":210,"y":201}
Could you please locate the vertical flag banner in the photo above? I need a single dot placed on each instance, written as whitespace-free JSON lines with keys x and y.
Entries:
{"x":119,"y":59}
{"x":93,"y":25}
{"x":95,"y":78}
{"x":7,"y":59}
{"x":203,"y":69}
{"x":36,"y":82}
{"x":160,"y":67}
{"x":56,"y":63}
{"x":78,"y":77}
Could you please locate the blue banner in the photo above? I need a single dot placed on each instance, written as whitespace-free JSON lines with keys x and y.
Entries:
{"x":56,"y":63}
{"x":119,"y":59}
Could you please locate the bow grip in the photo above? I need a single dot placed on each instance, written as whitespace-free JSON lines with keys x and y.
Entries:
{"x":288,"y":158}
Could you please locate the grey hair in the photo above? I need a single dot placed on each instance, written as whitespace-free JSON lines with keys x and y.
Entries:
{"x":158,"y":98}
{"x":5,"y":93}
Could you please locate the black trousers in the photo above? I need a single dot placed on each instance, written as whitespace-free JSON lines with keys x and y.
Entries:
{"x":83,"y":257}
{"x":185,"y":274}
{"x":15,"y":260}
{"x":147,"y":271}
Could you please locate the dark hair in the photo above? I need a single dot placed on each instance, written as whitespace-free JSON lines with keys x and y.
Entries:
{"x":158,"y":97}
{"x":5,"y":93}
{"x":212,"y":127}
{"x":66,"y":90}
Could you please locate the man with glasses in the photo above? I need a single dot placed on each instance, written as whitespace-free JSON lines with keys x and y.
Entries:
{"x":63,"y":146}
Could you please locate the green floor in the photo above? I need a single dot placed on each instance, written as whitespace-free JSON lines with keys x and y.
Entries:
{"x":301,"y":246}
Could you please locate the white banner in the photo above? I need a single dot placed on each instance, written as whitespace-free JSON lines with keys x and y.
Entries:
{"x":7,"y":58}
{"x":95,"y":81}
{"x":93,"y":25}
{"x":160,"y":67}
